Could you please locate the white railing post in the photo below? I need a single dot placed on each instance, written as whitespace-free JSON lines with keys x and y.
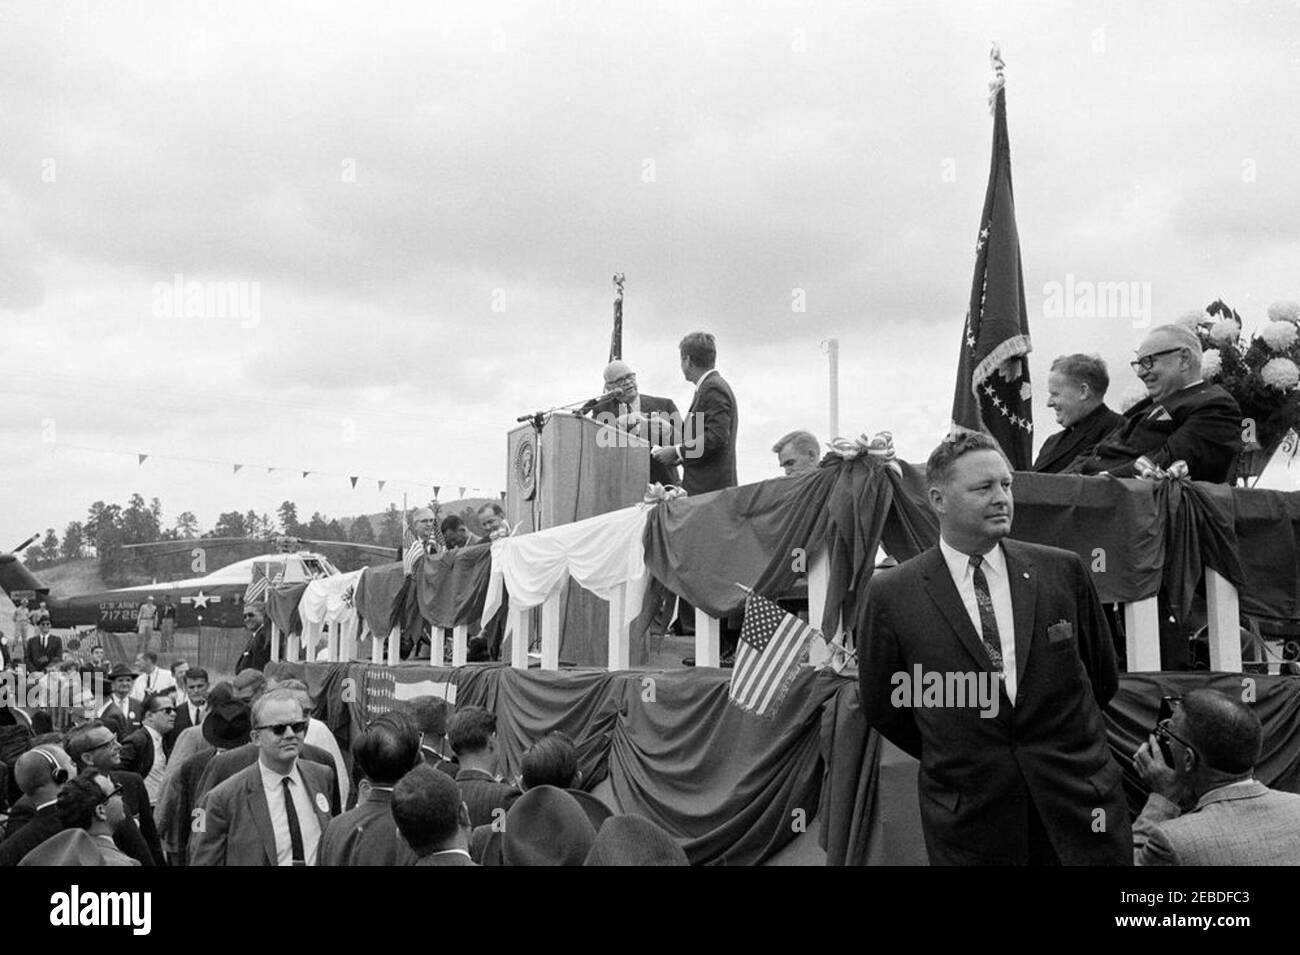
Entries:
{"x":275,"y":643}
{"x":294,"y":648}
{"x":818,"y":581}
{"x":334,"y":642}
{"x":708,"y":639}
{"x":394,"y":646}
{"x":376,"y":648}
{"x":437,"y":645}
{"x":1225,"y":623}
{"x":459,"y":645}
{"x":551,"y":630}
{"x":521,"y":627}
{"x":1142,"y":635}
{"x":310,"y":637}
{"x":620,"y":634}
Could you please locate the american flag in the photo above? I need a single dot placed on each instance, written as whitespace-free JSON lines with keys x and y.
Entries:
{"x":773,"y":644}
{"x":266,"y":574}
{"x":385,"y":689}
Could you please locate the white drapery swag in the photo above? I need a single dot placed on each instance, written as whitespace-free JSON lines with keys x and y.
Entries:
{"x":330,"y":599}
{"x":601,"y":553}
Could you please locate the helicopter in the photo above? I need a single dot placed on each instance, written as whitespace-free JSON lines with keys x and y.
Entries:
{"x":214,"y":600}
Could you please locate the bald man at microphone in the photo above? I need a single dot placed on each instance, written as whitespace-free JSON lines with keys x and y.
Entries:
{"x":645,"y":416}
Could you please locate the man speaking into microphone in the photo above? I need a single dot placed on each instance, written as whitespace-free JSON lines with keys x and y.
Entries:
{"x":645,"y":416}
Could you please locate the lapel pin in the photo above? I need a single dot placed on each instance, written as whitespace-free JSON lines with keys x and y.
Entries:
{"x":1026,"y":575}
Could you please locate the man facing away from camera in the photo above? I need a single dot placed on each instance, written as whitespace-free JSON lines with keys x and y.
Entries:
{"x":1030,"y":780}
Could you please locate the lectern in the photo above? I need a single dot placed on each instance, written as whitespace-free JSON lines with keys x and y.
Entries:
{"x":574,"y":468}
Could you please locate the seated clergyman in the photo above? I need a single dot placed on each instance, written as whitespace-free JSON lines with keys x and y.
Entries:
{"x":1076,"y":391}
{"x":1183,"y":417}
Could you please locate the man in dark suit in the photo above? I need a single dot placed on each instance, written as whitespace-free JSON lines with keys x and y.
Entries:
{"x":649,"y":417}
{"x":142,"y":750}
{"x":192,"y":711}
{"x":430,"y":714}
{"x":40,"y":773}
{"x":989,"y":660}
{"x":227,"y":726}
{"x":1076,"y":391}
{"x":707,"y":449}
{"x":43,"y":648}
{"x":383,"y":753}
{"x":122,"y":713}
{"x":1183,"y":417}
{"x":273,"y":812}
{"x":432,"y":818}
{"x":93,"y":745}
{"x":224,"y":765}
{"x":257,"y":652}
{"x":473,"y":735}
{"x":1232,"y":818}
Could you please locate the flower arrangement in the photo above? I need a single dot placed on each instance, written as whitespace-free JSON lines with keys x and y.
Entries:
{"x":1261,"y":372}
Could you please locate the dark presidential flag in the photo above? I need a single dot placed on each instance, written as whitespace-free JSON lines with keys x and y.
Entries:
{"x":993,"y":392}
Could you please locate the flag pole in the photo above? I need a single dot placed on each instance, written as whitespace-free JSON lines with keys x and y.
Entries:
{"x":831,"y":346}
{"x":616,"y":339}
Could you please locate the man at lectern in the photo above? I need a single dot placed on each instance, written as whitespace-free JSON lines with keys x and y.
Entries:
{"x":646,"y":416}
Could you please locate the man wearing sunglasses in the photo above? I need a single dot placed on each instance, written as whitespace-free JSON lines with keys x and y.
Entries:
{"x":1182,"y":418}
{"x":143,"y":751}
{"x":93,"y":746}
{"x":1232,"y":818}
{"x":93,"y":802}
{"x":273,"y":812}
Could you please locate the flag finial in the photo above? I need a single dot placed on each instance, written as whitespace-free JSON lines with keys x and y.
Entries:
{"x":999,"y":81}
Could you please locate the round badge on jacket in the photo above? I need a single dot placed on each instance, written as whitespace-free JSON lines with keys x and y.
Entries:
{"x":322,"y":803}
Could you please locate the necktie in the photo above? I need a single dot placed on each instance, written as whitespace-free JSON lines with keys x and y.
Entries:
{"x":295,"y":831}
{"x":988,"y":620}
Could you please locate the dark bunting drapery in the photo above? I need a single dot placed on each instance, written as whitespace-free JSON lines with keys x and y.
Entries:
{"x":451,"y":587}
{"x":282,"y":606}
{"x":701,"y":547}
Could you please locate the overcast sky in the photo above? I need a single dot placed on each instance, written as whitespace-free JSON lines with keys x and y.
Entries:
{"x":429,"y":200}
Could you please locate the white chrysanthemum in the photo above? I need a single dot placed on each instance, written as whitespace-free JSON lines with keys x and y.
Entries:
{"x":1132,"y":396}
{"x":1279,"y":336}
{"x":1211,"y":364}
{"x":1225,"y":330}
{"x":1284,"y":311}
{"x":1280,"y":373}
{"x":1194,"y":319}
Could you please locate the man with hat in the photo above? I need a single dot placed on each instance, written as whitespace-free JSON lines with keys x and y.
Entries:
{"x":645,"y":416}
{"x":43,"y":647}
{"x":93,"y":747}
{"x":273,"y":812}
{"x":123,"y":713}
{"x":546,"y":827}
{"x":226,"y":726}
{"x":144,"y":623}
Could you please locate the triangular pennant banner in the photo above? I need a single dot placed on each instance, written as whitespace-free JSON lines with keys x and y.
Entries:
{"x":462,"y":492}
{"x":381,"y":485}
{"x":270,"y":470}
{"x":353,"y":479}
{"x":237,"y":467}
{"x":305,"y":473}
{"x":436,"y":489}
{"x":143,"y":458}
{"x":503,"y":495}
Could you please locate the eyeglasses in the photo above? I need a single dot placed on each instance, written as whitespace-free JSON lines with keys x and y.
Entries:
{"x":1147,"y":362}
{"x":116,"y":791}
{"x":278,"y":729}
{"x":1162,"y":729}
{"x":165,"y":709}
{"x":108,"y":742}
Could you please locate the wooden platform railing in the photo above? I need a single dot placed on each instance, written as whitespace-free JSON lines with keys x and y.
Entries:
{"x":1141,"y":625}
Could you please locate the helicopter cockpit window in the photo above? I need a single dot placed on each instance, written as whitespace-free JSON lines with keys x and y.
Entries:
{"x":314,"y":568}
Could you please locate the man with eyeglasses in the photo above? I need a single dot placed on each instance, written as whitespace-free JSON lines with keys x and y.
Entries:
{"x":257,"y":653}
{"x":143,"y":752}
{"x":646,"y":416}
{"x":273,"y":812}
{"x":1231,"y":818}
{"x":94,"y":746}
{"x":93,"y":803}
{"x":1182,"y":418}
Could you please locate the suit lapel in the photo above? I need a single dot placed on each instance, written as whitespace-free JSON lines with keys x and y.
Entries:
{"x":261,"y":812}
{"x":944,"y":593}
{"x":315,"y":794}
{"x":1024,"y":594}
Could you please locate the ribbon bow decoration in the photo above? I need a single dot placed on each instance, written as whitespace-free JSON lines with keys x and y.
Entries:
{"x":1148,"y":471}
{"x":881,"y":447}
{"x":658,"y":493}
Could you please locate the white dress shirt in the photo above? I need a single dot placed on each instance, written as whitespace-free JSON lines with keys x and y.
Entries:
{"x":154,"y":682}
{"x":154,"y":781}
{"x":995,"y":573}
{"x":280,"y":819}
